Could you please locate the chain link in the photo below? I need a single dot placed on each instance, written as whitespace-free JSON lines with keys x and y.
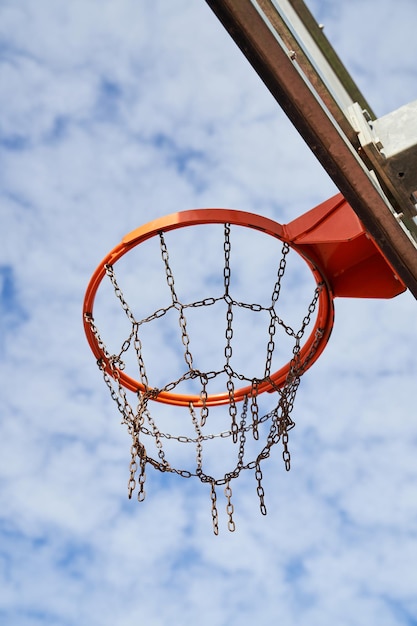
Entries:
{"x":131,"y":486}
{"x":227,"y":248}
{"x":100,"y":343}
{"x":229,"y":333}
{"x":281,"y":271}
{"x":286,"y":454}
{"x":203,"y":397}
{"x":158,"y":442}
{"x":259,"y":489}
{"x":255,"y":409}
{"x":178,"y":305}
{"x":214,"y":513}
{"x":311,"y":309}
{"x":141,"y":363}
{"x":229,"y":507}
{"x":242,"y":430}
{"x":199,"y":447}
{"x":118,"y":292}
{"x":142,"y":479}
{"x":168,"y":271}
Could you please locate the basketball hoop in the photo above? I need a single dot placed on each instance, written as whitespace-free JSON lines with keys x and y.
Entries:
{"x":242,"y":390}
{"x":344,"y":262}
{"x":308,"y":353}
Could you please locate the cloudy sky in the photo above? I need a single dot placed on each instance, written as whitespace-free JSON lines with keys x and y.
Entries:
{"x":113,"y":114}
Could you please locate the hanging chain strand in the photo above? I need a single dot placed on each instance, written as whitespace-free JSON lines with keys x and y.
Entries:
{"x":199,"y":447}
{"x":137,"y":451}
{"x":254,"y":409}
{"x":142,"y":479}
{"x":286,"y":453}
{"x":226,"y":270}
{"x":242,"y":430}
{"x":260,"y":490}
{"x":142,"y":427}
{"x":229,"y":507}
{"x":134,"y":452}
{"x":274,"y":318}
{"x":203,"y":396}
{"x":229,"y":333}
{"x":214,"y":513}
{"x":181,"y":319}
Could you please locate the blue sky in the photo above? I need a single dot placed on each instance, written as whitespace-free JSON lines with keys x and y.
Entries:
{"x":113,"y":114}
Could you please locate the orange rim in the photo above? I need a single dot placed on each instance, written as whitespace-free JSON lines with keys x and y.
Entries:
{"x":320,"y":333}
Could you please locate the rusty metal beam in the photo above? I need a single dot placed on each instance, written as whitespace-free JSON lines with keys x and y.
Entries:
{"x":277,"y":66}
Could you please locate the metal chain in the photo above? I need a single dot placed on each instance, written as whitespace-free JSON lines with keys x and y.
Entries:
{"x":199,"y":447}
{"x":100,"y":343}
{"x":223,"y":435}
{"x":242,"y":430}
{"x":286,"y":454}
{"x":274,"y":318}
{"x":203,"y":397}
{"x":110,"y":273}
{"x":311,"y":309}
{"x":142,"y":479}
{"x":168,"y":271}
{"x":140,"y":422}
{"x":227,"y":248}
{"x":141,"y":363}
{"x":271,"y":345}
{"x":134,"y":453}
{"x":280,"y":273}
{"x":229,"y":507}
{"x":214,"y":513}
{"x":157,"y":436}
{"x":260,"y":490}
{"x":137,"y":451}
{"x":254,"y":409}
{"x":232,"y":409}
{"x":229,"y":333}
{"x":178,"y":305}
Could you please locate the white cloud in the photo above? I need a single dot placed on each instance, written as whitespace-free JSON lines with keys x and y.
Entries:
{"x":114,"y":114}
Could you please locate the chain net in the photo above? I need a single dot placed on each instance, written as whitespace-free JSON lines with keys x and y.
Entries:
{"x":244,"y":418}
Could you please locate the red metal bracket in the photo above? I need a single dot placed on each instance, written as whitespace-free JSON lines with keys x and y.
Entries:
{"x":332,"y":236}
